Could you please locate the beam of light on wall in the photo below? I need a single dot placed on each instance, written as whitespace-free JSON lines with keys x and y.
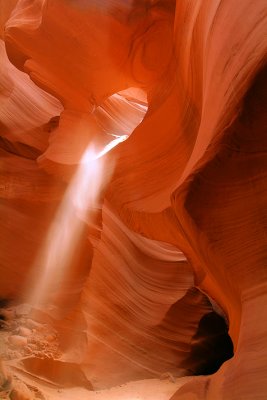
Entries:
{"x":81,"y":197}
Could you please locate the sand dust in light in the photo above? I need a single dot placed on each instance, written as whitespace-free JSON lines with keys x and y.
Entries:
{"x":81,"y":196}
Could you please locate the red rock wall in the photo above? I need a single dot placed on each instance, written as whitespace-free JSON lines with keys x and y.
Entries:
{"x":182,"y":219}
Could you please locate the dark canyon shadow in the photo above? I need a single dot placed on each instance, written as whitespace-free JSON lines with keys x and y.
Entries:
{"x":211,"y":346}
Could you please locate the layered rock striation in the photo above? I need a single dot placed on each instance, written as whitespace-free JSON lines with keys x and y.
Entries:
{"x":168,"y":274}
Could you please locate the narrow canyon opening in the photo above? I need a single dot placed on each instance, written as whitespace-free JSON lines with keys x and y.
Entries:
{"x":133,"y":198}
{"x":211,"y":345}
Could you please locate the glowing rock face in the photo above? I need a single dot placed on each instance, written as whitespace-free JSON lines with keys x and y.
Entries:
{"x":135,"y":249}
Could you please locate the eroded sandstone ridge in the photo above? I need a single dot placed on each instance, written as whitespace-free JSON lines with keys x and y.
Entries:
{"x":133,"y":199}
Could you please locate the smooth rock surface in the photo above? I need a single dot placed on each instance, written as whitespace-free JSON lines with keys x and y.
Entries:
{"x":177,"y":228}
{"x":17,"y":340}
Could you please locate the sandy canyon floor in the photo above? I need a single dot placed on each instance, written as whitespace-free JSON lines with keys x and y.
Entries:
{"x":24,"y":340}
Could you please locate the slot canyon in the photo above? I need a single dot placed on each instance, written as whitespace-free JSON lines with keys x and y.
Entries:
{"x":133,"y":200}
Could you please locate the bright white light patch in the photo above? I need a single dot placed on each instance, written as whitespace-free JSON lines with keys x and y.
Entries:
{"x":80,"y":199}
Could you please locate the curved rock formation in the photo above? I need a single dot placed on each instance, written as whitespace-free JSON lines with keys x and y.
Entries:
{"x":153,"y":263}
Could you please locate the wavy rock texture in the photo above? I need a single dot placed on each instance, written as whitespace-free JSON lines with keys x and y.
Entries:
{"x":173,"y":254}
